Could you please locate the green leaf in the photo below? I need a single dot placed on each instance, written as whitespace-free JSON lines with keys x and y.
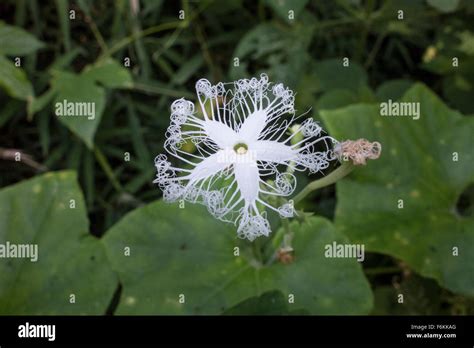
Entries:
{"x":282,"y":7}
{"x":444,"y":5}
{"x":416,"y":166}
{"x":14,"y":81}
{"x":109,"y":73}
{"x":393,"y":89}
{"x":40,"y":102}
{"x":188,"y":69}
{"x":269,"y":46}
{"x":84,"y":90}
{"x":339,"y":97}
{"x":16,"y":41}
{"x":79,"y":89}
{"x":186,"y":252}
{"x":458,"y":89}
{"x":441,"y":65}
{"x":336,"y":98}
{"x":331,"y":74}
{"x":70,"y":260}
{"x":270,"y":303}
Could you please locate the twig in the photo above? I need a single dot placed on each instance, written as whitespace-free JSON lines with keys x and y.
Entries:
{"x":13,"y":154}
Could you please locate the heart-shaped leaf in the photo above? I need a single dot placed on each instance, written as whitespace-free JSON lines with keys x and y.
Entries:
{"x":269,"y":303}
{"x":183,"y":261}
{"x":109,"y":73}
{"x":71,"y":273}
{"x":81,"y":98}
{"x":404,"y":203}
{"x":334,"y":74}
{"x":79,"y":104}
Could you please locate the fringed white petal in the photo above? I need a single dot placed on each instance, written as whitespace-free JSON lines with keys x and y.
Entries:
{"x":251,"y":227}
{"x":211,"y":165}
{"x":273,"y":151}
{"x":286,"y":211}
{"x":246,"y":174}
{"x":221,"y":134}
{"x":253,"y":126}
{"x":240,"y":144}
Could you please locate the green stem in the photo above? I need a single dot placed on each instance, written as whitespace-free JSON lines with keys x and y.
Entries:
{"x":137,"y":35}
{"x":107,"y":169}
{"x":375,"y":49}
{"x":257,"y":251}
{"x":329,"y":179}
{"x":154,"y":89}
{"x":179,"y":25}
{"x":204,"y":48}
{"x":286,"y":226}
{"x":98,"y":36}
{"x":366,"y":23}
{"x":95,"y":30}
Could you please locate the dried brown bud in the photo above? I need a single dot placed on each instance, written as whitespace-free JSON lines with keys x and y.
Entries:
{"x":358,"y":151}
{"x":285,"y":255}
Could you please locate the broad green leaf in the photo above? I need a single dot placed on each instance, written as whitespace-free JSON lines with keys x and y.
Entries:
{"x":186,"y":252}
{"x":458,"y":89}
{"x":282,"y":7}
{"x":452,"y":57}
{"x":440,"y":64}
{"x":17,"y":42}
{"x":332,"y":74}
{"x":393,"y":89}
{"x":82,"y":91}
{"x":336,"y":98}
{"x":444,"y":5}
{"x":109,"y":73}
{"x":270,"y":303}
{"x":417,"y":168}
{"x":70,"y":260}
{"x":14,"y":81}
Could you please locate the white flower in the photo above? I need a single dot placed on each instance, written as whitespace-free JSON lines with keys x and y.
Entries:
{"x":242,"y":144}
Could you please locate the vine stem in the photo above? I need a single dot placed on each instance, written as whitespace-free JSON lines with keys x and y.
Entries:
{"x":139,"y":34}
{"x":331,"y":178}
{"x":178,"y":25}
{"x":99,"y":155}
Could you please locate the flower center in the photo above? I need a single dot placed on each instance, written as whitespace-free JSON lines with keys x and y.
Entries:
{"x":241,"y":148}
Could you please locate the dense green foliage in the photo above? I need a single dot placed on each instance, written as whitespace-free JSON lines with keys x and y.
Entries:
{"x":46,"y":57}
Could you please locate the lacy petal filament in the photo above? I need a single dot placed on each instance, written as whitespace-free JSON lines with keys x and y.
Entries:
{"x":245,"y":150}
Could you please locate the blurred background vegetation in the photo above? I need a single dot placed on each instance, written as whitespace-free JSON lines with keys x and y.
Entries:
{"x":170,"y":50}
